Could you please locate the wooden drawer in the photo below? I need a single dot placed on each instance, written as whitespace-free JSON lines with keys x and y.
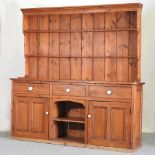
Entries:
{"x":109,"y":92}
{"x":68,"y":90}
{"x":31,"y":88}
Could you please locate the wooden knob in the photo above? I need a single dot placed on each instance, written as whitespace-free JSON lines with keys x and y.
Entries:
{"x":109,"y":92}
{"x":68,"y":90}
{"x":89,"y":116}
{"x":30,"y":88}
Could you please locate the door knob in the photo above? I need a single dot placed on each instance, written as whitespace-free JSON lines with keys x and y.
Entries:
{"x":30,"y":88}
{"x":68,"y":90}
{"x":46,"y":112}
{"x":109,"y":92}
{"x":89,"y":116}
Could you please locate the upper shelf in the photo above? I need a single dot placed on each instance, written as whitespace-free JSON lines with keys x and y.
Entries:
{"x":75,"y":31}
{"x":48,"y":56}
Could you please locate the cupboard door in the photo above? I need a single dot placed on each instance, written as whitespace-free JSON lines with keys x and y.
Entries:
{"x":109,"y":124}
{"x":39,"y":117}
{"x":21,"y":115}
{"x":97,"y":123}
{"x":30,"y":117}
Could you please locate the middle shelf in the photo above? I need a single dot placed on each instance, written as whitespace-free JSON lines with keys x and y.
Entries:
{"x":70,"y":119}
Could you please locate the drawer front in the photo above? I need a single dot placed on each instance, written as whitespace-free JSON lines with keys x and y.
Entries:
{"x":68,"y":90}
{"x":109,"y":92}
{"x":33,"y":88}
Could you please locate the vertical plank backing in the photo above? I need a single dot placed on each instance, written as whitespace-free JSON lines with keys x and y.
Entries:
{"x":110,"y":47}
{"x":64,"y":68}
{"x":133,"y":19}
{"x":87,"y":43}
{"x":65,"y":40}
{"x":33,"y":22}
{"x":98,"y":69}
{"x":76,"y":68}
{"x":65,"y":44}
{"x":76,"y":47}
{"x":26,"y":23}
{"x":76,"y":44}
{"x":87,"y":21}
{"x":87,"y":24}
{"x":110,"y":51}
{"x":33,"y":70}
{"x":65,"y":22}
{"x":43,"y":47}
{"x":65,"y":51}
{"x":110,"y":20}
{"x":87,"y":69}
{"x":99,"y":21}
{"x":54,"y":69}
{"x":54,"y":48}
{"x":98,"y":44}
{"x":122,"y":46}
{"x":98,"y":47}
{"x":44,"y":22}
{"x":98,"y":51}
{"x":76,"y":22}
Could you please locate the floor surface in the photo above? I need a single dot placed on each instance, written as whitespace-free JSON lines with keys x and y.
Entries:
{"x":15,"y":147}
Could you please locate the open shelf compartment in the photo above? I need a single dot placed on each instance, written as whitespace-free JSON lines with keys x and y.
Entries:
{"x":69,"y":121}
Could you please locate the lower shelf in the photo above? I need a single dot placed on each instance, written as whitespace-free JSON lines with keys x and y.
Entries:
{"x":69,"y":140}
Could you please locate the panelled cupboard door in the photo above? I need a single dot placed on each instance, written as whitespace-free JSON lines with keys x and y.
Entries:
{"x":109,"y":124}
{"x":30,"y":117}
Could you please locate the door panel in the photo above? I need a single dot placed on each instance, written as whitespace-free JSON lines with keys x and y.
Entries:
{"x":100,"y":122}
{"x":22,"y":109}
{"x":109,"y":124}
{"x":117,"y":123}
{"x":29,"y":117}
{"x":97,"y":123}
{"x":37,"y":115}
{"x":39,"y":119}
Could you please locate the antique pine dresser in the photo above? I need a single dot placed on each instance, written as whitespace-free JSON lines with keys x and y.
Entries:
{"x":82,"y":83}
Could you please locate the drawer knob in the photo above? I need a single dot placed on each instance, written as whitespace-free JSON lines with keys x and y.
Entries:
{"x":89,"y":116}
{"x":46,"y":112}
{"x":68,"y":90}
{"x":30,"y":88}
{"x":109,"y":92}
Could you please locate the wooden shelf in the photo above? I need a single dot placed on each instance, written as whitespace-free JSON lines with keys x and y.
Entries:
{"x":70,"y":119}
{"x":120,"y":57}
{"x":78,"y":31}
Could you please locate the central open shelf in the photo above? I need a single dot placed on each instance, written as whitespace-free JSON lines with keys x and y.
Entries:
{"x":69,"y":121}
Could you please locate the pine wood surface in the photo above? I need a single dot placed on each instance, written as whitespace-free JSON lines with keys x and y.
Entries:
{"x":82,"y":83}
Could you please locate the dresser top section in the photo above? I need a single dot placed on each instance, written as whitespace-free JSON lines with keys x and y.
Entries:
{"x":83,"y":9}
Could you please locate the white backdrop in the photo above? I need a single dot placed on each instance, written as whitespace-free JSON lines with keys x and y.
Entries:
{"x":12,"y":56}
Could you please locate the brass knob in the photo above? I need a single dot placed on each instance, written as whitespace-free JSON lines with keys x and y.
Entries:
{"x":68,"y":90}
{"x":30,"y":88}
{"x":89,"y":116}
{"x":109,"y":92}
{"x":46,"y":112}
